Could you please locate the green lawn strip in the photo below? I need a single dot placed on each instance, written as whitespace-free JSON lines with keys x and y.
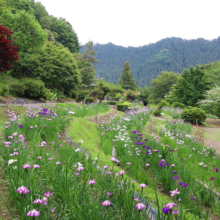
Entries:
{"x":82,"y":129}
{"x":101,"y":114}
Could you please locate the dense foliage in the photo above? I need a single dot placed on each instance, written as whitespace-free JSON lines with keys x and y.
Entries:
{"x":30,"y":88}
{"x":54,"y":65}
{"x":147,"y":62}
{"x":194,"y":115}
{"x":190,"y":87}
{"x":162,"y":85}
{"x":211,"y":102}
{"x":46,"y":46}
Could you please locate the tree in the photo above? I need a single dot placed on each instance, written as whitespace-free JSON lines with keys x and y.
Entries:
{"x":86,"y":69}
{"x":17,"y":5}
{"x":54,"y":65}
{"x":162,"y":85}
{"x":145,"y":94}
{"x":89,"y":53}
{"x":211,"y":102}
{"x":191,"y":86}
{"x":27,"y":32}
{"x":8,"y":53}
{"x":127,"y":80}
{"x":66,"y":35}
{"x":102,"y":88}
{"x":39,"y":11}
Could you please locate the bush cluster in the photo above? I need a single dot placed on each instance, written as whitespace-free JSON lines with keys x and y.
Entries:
{"x":4,"y":90}
{"x":90,"y":100}
{"x":192,"y":114}
{"x":30,"y":88}
{"x":122,"y":106}
{"x":157,"y":111}
{"x":80,"y":96}
{"x":111,"y":102}
{"x":178,"y":105}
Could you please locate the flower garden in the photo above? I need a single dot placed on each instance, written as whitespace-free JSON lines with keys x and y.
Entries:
{"x":114,"y":170}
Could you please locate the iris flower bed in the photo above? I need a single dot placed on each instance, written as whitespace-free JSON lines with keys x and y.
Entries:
{"x":78,"y":110}
{"x":175,"y":162}
{"x":47,"y":179}
{"x":172,"y":112}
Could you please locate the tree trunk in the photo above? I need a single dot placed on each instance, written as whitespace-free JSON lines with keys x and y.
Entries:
{"x":103,"y":97}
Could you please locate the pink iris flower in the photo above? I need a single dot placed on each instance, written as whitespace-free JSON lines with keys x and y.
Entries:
{"x":106,"y":203}
{"x":33,"y":213}
{"x":22,"y":190}
{"x":140,"y":206}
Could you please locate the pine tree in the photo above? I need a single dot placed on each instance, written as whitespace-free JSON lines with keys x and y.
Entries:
{"x":89,"y":53}
{"x":127,"y":80}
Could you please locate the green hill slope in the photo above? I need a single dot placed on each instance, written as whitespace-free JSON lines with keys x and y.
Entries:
{"x":170,"y":54}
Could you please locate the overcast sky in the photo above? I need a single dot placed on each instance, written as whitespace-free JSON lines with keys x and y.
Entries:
{"x":138,"y":22}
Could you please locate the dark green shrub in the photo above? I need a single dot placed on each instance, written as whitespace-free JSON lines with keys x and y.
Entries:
{"x":162,"y":104}
{"x":156,"y":112}
{"x":111,"y":102}
{"x":29,"y":88}
{"x":122,"y":106}
{"x":80,"y":96}
{"x":193,"y":114}
{"x":34,"y":89}
{"x":178,"y":105}
{"x":4,"y":90}
{"x":17,"y":88}
{"x":89,"y":100}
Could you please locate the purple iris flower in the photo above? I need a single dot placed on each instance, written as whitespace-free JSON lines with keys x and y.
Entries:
{"x":176,"y":178}
{"x":174,"y":172}
{"x":165,"y":210}
{"x":183,"y":184}
{"x":20,"y":126}
{"x":192,"y":198}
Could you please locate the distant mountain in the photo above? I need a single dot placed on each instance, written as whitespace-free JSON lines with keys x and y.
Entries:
{"x":170,"y":54}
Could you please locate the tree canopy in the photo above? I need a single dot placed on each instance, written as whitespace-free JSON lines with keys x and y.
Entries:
{"x":191,"y":86}
{"x":66,"y":35}
{"x":27,"y":32}
{"x":211,"y":101}
{"x":162,"y":85}
{"x":54,"y":65}
{"x":89,"y":53}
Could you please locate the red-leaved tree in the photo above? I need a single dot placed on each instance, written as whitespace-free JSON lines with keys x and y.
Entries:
{"x":8,"y":53}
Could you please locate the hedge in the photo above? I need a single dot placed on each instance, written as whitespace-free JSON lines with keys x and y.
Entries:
{"x":122,"y":106}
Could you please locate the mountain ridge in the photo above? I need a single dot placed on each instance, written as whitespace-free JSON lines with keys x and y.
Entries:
{"x":147,"y":62}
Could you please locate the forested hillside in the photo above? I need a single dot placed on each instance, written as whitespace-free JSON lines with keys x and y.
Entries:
{"x":171,"y":54}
